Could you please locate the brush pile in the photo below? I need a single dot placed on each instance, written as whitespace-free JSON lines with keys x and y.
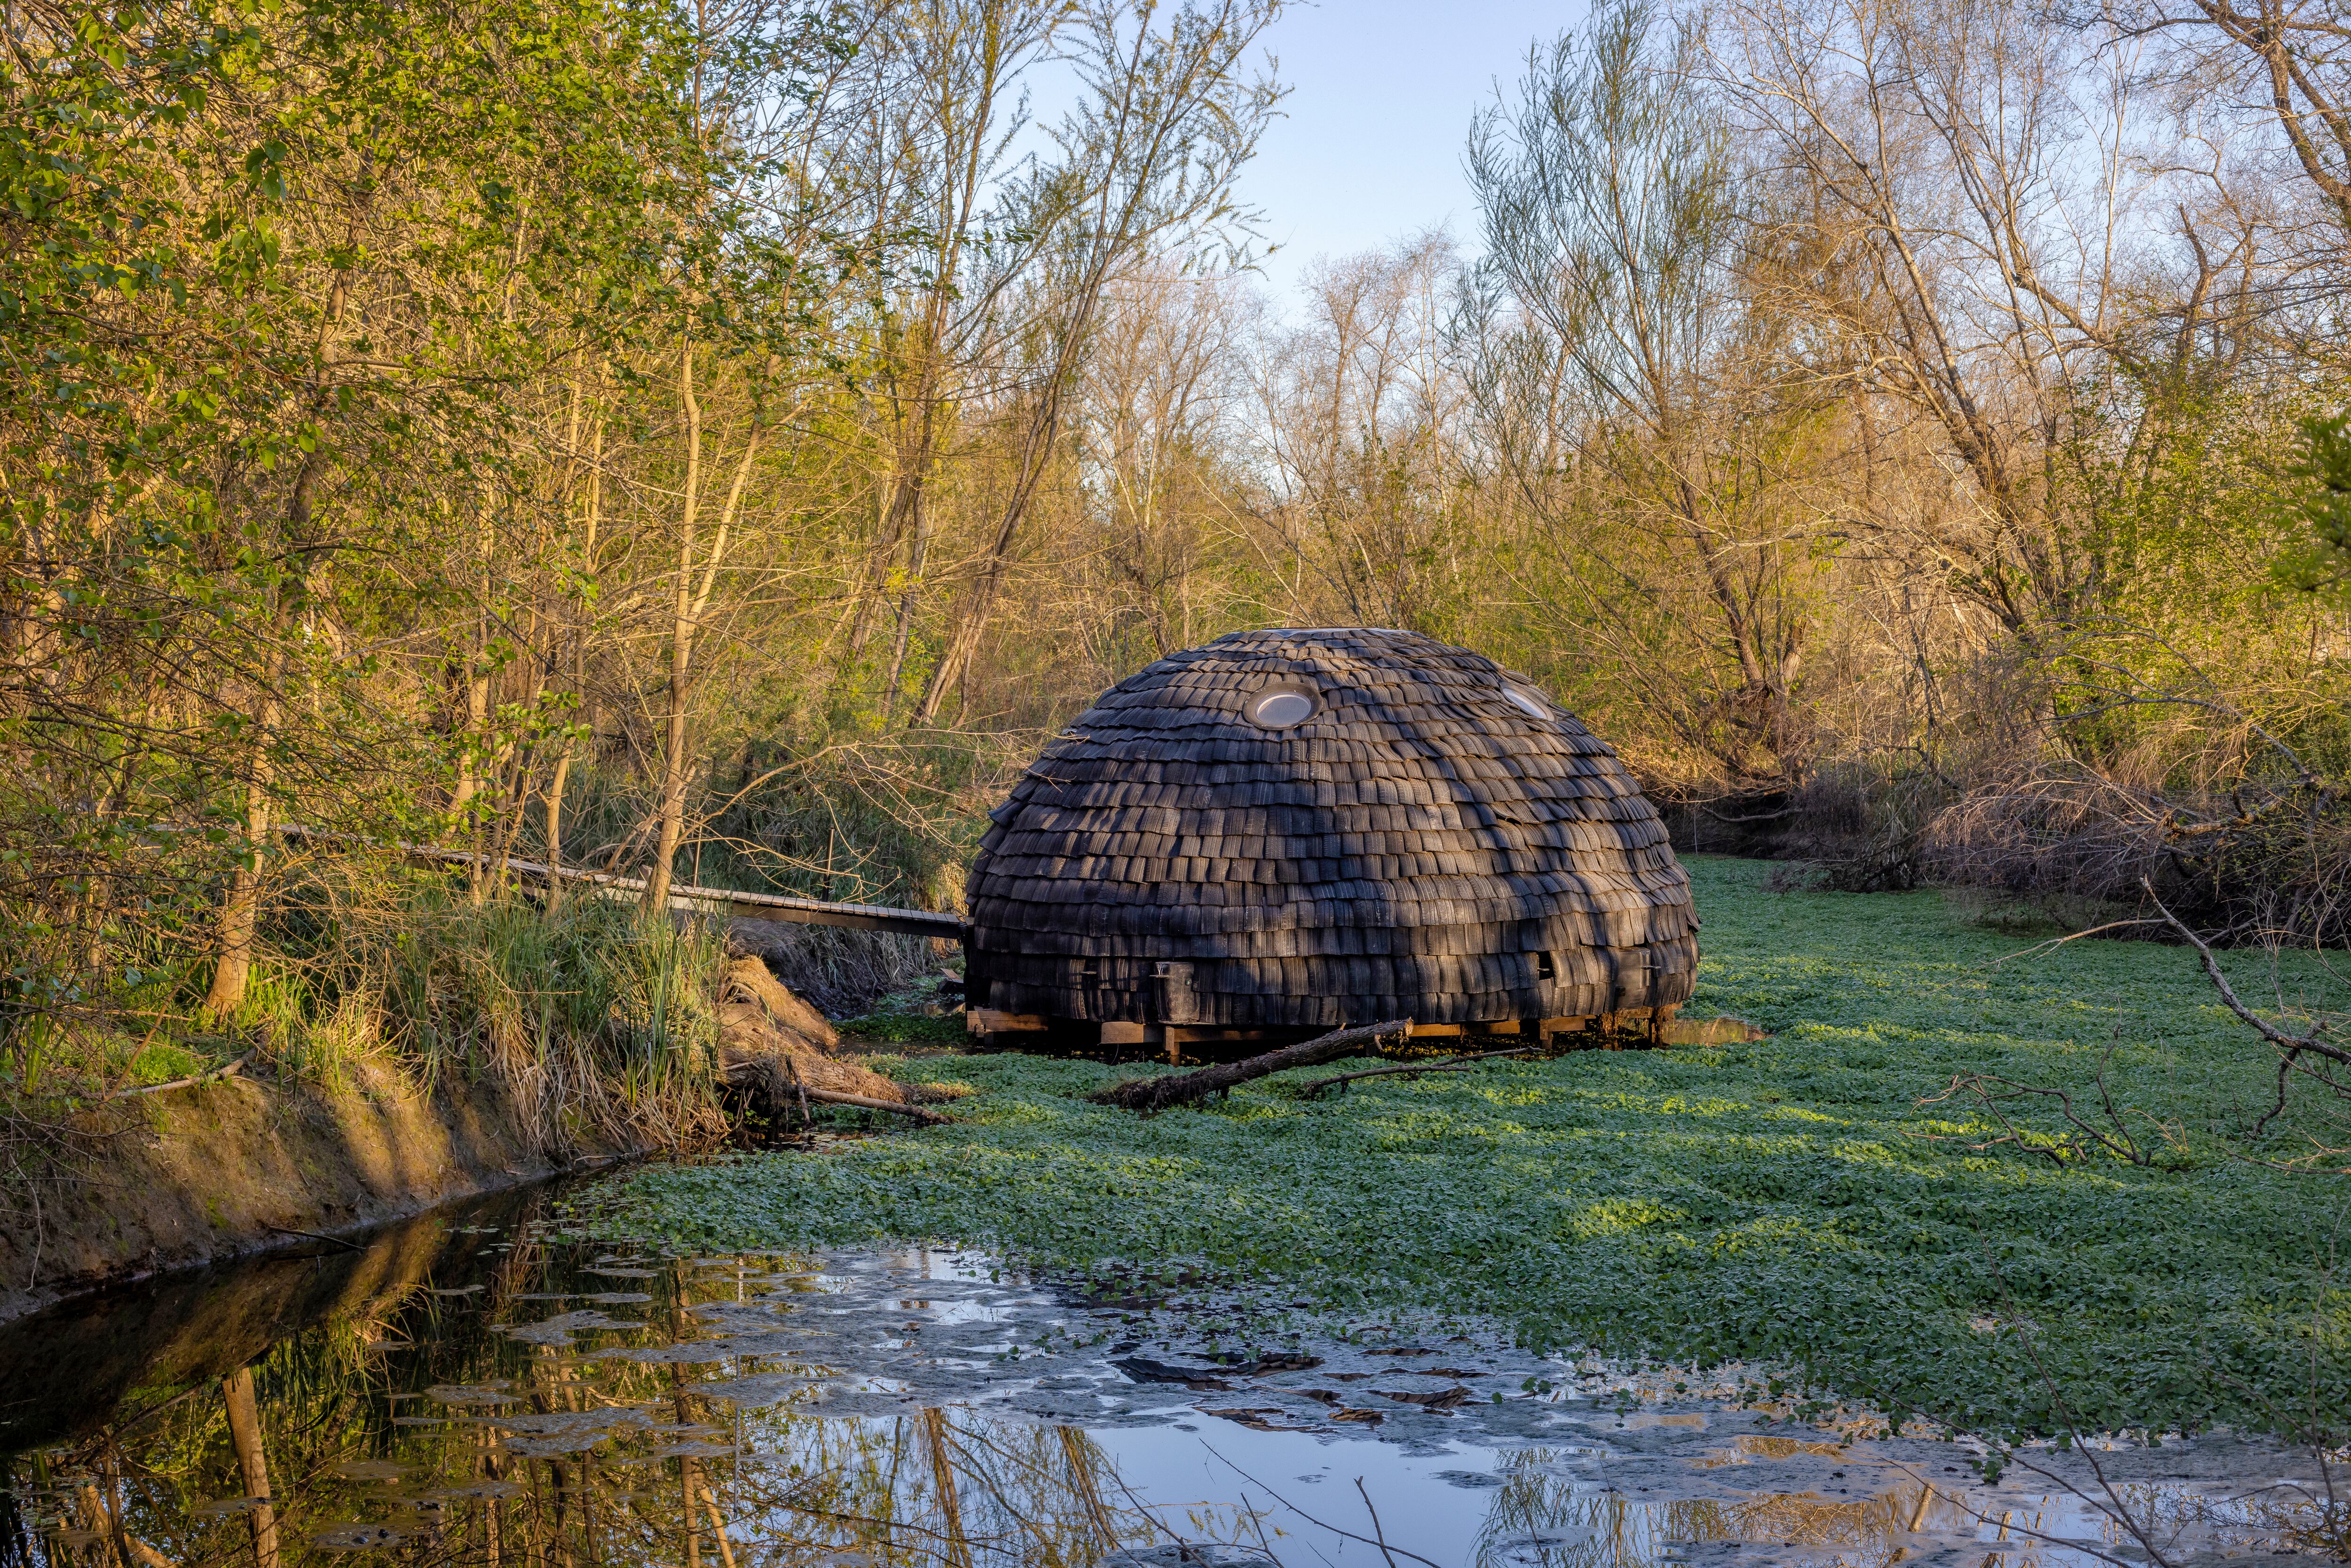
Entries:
{"x":778,"y":1050}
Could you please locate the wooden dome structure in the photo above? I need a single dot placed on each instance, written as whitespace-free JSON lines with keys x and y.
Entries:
{"x":1285,"y":831}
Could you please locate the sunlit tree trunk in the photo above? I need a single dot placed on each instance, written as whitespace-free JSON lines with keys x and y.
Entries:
{"x":557,"y":785}
{"x":252,"y":1465}
{"x":681,"y":648}
{"x":240,"y":914}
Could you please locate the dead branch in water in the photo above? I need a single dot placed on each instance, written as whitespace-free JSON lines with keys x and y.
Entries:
{"x":315,"y":1235}
{"x":2110,"y":1133}
{"x":1149,"y":1094}
{"x":2291,"y":1048}
{"x":920,"y":1116}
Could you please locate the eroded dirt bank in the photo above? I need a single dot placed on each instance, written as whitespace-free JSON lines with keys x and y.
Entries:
{"x":240,"y":1165}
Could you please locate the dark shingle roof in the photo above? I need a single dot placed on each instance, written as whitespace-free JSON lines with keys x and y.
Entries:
{"x":1418,"y":847}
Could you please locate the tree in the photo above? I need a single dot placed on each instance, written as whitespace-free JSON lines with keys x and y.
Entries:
{"x":1636,"y":395}
{"x":1147,"y":158}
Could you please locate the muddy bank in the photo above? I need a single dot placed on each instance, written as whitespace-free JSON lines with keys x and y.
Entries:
{"x":67,"y":1369}
{"x":239,"y":1165}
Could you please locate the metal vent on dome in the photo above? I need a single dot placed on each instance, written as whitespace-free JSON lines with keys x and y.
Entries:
{"x":1280,"y":707}
{"x":1525,"y":701}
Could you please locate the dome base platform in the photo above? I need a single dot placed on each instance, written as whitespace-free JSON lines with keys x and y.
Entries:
{"x":991,"y":1030}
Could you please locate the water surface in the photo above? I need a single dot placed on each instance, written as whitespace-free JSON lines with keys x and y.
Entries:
{"x":465,"y":1389}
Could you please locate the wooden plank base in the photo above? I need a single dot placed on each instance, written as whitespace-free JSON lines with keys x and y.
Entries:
{"x":1128,"y":1040}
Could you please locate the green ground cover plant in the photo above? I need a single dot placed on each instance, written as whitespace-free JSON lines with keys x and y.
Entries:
{"x":1791,"y":1200}
{"x":907,"y":1028}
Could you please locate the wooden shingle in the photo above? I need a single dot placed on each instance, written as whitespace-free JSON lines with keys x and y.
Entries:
{"x":1404,"y":850}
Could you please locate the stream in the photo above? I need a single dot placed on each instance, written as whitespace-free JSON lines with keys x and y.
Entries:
{"x":464,"y":1388}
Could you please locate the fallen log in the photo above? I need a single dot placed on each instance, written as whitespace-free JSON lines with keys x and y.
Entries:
{"x":1450,"y":1064}
{"x":1149,"y":1094}
{"x":215,"y":1074}
{"x":918,"y":1114}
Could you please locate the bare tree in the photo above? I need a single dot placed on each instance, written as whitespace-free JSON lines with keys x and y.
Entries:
{"x":932,"y":159}
{"x":1976,"y":180}
{"x":1146,"y":160}
{"x":745,"y":295}
{"x":1636,"y":398}
{"x":1153,"y":431}
{"x":1357,"y":421}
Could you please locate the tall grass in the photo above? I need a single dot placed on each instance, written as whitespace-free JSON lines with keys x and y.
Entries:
{"x":596,"y":1023}
{"x":592,"y":1023}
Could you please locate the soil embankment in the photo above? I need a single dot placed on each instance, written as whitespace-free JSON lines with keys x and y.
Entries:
{"x":238,"y":1165}
{"x":211,"y":1170}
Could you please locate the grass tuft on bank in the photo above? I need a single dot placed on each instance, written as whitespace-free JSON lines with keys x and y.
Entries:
{"x":591,"y":1022}
{"x":1789,"y":1200}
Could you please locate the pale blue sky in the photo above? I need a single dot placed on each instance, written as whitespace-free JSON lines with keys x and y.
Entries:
{"x":1382,"y":94}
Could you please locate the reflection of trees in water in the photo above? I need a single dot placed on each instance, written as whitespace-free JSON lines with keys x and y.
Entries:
{"x":2315,"y":1518}
{"x":560,"y":1456}
{"x":1541,"y":1519}
{"x":934,"y":1486}
{"x":547,"y":1460}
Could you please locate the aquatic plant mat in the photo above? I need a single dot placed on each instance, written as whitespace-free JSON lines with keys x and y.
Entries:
{"x":473,"y":1390}
{"x":1787,"y":1199}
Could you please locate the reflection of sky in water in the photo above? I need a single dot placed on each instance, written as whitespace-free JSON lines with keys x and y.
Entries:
{"x":454,"y":1401}
{"x":1290,"y":1481}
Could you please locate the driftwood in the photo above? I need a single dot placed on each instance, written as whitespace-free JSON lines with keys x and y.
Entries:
{"x":225,"y":1071}
{"x":1450,"y":1064}
{"x":921,"y":1116}
{"x":1148,"y":1094}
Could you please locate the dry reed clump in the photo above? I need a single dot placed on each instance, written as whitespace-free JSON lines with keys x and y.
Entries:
{"x":776,"y":1048}
{"x":2057,"y":841}
{"x":1859,"y":829}
{"x":844,"y":973}
{"x":2262,"y":863}
{"x":2058,"y":830}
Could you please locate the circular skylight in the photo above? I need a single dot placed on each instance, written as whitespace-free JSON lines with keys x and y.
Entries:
{"x":1525,"y":701}
{"x":1280,"y":707}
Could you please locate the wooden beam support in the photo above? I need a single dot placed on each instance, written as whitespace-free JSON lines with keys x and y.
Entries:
{"x":687,"y":899}
{"x":988,"y":1020}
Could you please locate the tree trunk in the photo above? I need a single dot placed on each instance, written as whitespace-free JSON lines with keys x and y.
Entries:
{"x":556,"y":785}
{"x":240,"y":916}
{"x":1044,"y":425}
{"x":252,"y":1464}
{"x":680,"y":651}
{"x":555,"y":827}
{"x":916,"y":548}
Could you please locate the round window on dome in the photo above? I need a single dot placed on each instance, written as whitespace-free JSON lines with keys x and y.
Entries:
{"x":1280,"y":707}
{"x":1525,"y":701}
